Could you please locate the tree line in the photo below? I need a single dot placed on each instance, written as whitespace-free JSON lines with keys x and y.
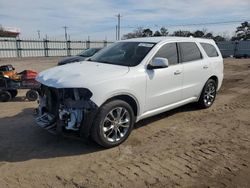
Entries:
{"x":242,"y":32}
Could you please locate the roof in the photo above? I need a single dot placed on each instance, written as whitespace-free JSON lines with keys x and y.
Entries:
{"x":165,"y":39}
{"x":9,"y":65}
{"x":9,"y":32}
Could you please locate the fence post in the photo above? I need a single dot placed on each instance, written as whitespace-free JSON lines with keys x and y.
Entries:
{"x":68,"y":48}
{"x":87,"y":44}
{"x":235,"y":47}
{"x":46,"y":49}
{"x":105,"y":43}
{"x":18,"y":48}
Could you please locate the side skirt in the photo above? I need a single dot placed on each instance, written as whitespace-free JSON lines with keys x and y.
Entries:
{"x":165,"y":108}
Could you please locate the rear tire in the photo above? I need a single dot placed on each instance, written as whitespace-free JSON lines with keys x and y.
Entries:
{"x":113,"y":123}
{"x":208,"y":94}
{"x":32,"y":95}
{"x":5,"y":96}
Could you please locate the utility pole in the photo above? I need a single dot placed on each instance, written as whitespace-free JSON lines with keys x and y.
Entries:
{"x":65,"y":32}
{"x":38,"y":32}
{"x":116,"y":32}
{"x":119,"y":26}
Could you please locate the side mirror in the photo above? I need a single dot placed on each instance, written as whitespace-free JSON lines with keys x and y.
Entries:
{"x":158,"y":63}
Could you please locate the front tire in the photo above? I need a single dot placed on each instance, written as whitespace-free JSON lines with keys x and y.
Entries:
{"x":208,"y":94}
{"x":5,"y":96}
{"x":113,"y":124}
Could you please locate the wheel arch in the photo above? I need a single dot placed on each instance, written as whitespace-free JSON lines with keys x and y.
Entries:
{"x":215,"y":78}
{"x":130,"y":99}
{"x":127,"y":97}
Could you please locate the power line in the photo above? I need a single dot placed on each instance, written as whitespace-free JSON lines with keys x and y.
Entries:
{"x":192,"y":24}
{"x":208,"y":23}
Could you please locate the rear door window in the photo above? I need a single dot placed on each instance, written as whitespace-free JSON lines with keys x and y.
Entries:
{"x":189,"y":51}
{"x":210,"y":50}
{"x":168,"y":51}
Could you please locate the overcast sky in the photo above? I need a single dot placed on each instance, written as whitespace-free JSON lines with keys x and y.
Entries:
{"x":96,"y":18}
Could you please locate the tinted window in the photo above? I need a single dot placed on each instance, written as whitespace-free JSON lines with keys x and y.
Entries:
{"x":168,"y":51}
{"x":209,"y":49}
{"x":189,"y":51}
{"x":123,"y":53}
{"x":3,"y":69}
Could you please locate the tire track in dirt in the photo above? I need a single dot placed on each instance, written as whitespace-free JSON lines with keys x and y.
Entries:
{"x":192,"y":164}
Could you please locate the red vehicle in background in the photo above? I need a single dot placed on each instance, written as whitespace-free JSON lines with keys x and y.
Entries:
{"x":11,"y":81}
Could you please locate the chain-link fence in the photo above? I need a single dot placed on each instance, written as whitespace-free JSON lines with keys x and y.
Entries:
{"x":47,"y":48}
{"x":238,"y":49}
{"x":44,"y":48}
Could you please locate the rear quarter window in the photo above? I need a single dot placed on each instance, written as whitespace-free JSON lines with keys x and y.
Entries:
{"x":189,"y":51}
{"x":210,"y":50}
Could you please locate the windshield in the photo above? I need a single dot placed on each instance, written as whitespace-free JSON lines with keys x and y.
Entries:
{"x":123,"y":53}
{"x":89,"y":52}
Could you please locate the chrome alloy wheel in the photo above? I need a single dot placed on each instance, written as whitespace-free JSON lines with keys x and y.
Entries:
{"x":209,"y":94}
{"x":116,"y":124}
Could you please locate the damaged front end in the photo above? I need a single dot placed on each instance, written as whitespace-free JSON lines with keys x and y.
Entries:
{"x":65,"y":110}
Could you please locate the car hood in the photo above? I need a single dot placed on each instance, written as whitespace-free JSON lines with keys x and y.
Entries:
{"x":80,"y":75}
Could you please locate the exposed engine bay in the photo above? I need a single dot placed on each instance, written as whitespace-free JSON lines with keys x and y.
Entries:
{"x":65,"y":109}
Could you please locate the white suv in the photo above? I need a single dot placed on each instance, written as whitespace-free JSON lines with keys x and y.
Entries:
{"x":128,"y":81}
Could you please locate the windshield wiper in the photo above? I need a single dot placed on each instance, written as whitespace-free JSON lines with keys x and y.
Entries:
{"x":105,"y":62}
{"x":98,"y":61}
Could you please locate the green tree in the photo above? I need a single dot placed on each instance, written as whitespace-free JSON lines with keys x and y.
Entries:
{"x":147,"y":33}
{"x":199,"y":34}
{"x":164,"y":31}
{"x":242,"y":32}
{"x":181,"y":33}
{"x":219,"y":38}
{"x":135,"y":34}
{"x":209,"y":35}
{"x":157,"y":34}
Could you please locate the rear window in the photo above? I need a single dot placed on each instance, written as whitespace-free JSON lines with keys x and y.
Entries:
{"x":189,"y":51}
{"x":210,"y":50}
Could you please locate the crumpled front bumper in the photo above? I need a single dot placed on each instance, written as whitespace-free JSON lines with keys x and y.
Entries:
{"x":46,"y":121}
{"x":56,"y":114}
{"x":55,"y":126}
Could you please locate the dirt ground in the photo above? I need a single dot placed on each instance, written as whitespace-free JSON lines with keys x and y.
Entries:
{"x":185,"y":147}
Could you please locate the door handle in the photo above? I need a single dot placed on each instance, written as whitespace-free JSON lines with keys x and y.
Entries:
{"x":177,"y":72}
{"x":205,"y":67}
